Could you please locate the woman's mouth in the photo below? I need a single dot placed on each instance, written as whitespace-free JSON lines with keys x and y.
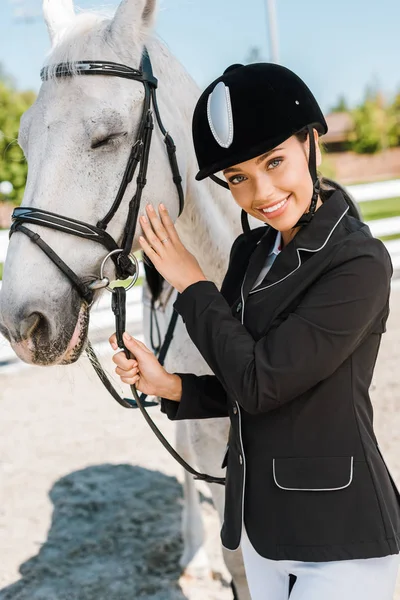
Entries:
{"x":276,"y":209}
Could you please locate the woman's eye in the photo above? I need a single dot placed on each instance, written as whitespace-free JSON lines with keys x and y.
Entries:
{"x":236,"y":179}
{"x":274,"y":163}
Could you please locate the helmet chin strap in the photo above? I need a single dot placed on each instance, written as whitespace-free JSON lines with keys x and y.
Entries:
{"x":312,"y":166}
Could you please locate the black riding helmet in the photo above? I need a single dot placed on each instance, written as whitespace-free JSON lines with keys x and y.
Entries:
{"x":248,"y":111}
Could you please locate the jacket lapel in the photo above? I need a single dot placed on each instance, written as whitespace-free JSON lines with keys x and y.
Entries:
{"x":239,"y":261}
{"x":257,"y":260}
{"x":310,"y":239}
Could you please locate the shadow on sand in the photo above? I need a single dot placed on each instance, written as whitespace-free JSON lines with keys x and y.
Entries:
{"x":115,"y":535}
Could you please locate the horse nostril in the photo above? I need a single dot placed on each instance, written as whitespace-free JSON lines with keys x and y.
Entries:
{"x":28,"y":325}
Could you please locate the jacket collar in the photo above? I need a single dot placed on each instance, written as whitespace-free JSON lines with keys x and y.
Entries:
{"x":315,"y":235}
{"x":310,"y":238}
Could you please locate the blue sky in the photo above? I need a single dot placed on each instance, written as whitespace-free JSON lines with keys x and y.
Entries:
{"x":337,"y":46}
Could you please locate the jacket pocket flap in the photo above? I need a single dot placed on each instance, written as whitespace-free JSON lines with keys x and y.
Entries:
{"x":314,"y":474}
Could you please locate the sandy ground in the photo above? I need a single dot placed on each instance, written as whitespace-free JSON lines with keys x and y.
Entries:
{"x":90,"y":503}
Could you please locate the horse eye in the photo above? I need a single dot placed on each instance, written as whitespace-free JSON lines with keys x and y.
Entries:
{"x":98,"y":143}
{"x":104,"y":141}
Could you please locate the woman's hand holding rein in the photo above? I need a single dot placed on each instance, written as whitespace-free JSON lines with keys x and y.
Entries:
{"x":180,"y":268}
{"x":144,"y":371}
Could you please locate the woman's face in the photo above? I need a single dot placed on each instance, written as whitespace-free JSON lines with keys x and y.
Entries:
{"x":276,"y":187}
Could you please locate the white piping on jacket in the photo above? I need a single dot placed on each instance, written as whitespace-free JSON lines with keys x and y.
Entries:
{"x":238,"y":407}
{"x":244,"y":470}
{"x":332,"y":489}
{"x":294,"y":270}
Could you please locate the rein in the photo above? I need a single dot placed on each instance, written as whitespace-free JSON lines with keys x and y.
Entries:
{"x":126,"y":263}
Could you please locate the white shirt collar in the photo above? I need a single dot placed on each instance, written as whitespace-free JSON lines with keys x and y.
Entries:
{"x":275,"y":249}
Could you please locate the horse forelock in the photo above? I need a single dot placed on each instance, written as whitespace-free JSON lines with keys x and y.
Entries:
{"x":89,"y":37}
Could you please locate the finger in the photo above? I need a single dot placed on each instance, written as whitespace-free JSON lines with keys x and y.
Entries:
{"x":127,"y":373}
{"x":152,"y":238}
{"x":149,"y":250}
{"x":121,"y":361}
{"x":168,"y":224}
{"x":137,"y":343}
{"x":156,"y":223}
{"x":134,"y":344}
{"x":130,"y":380}
{"x":113,"y":341}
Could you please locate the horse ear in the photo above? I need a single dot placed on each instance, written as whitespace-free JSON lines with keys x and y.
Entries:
{"x":133,"y":20}
{"x":58,"y":14}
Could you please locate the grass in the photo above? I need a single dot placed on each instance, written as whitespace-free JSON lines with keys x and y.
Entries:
{"x":387,"y":238}
{"x":380,"y":209}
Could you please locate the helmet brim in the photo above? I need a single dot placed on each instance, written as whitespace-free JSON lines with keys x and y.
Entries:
{"x":250,"y":152}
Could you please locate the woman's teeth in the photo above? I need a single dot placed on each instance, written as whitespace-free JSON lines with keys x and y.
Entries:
{"x":275,"y":207}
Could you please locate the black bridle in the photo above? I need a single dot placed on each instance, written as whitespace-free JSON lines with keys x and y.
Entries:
{"x":126,"y":264}
{"x":139,"y":156}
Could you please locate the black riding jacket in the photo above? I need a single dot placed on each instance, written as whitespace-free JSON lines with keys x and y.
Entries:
{"x":293,"y":361}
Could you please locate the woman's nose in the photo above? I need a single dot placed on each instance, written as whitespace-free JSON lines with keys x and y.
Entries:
{"x":264,"y":190}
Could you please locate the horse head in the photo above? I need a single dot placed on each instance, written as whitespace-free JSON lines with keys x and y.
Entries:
{"x":77,"y":138}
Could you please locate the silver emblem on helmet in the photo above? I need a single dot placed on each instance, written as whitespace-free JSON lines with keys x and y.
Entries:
{"x":219,"y":113}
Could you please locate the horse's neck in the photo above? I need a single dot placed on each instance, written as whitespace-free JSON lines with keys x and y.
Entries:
{"x":208,"y":227}
{"x":211,"y":220}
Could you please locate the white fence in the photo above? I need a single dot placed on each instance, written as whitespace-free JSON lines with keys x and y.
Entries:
{"x":380,"y":190}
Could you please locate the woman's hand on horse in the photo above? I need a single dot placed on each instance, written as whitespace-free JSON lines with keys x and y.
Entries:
{"x":166,"y":251}
{"x":144,"y":371}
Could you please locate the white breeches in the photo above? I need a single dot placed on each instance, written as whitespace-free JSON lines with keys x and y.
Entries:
{"x":359,"y":579}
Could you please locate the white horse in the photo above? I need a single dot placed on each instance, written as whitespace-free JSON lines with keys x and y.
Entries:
{"x":77,"y":138}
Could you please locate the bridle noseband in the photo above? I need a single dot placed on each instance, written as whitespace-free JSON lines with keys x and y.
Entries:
{"x":125,"y":262}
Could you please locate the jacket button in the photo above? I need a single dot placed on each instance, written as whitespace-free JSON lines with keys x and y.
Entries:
{"x":235,"y":410}
{"x":240,"y":459}
{"x":239,"y":307}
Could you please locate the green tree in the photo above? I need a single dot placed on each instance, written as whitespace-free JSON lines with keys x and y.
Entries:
{"x":13,"y":167}
{"x":373,"y":125}
{"x":395,"y":121}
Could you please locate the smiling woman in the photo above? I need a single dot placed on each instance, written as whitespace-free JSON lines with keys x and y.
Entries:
{"x":273,"y":174}
{"x":292,"y":338}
